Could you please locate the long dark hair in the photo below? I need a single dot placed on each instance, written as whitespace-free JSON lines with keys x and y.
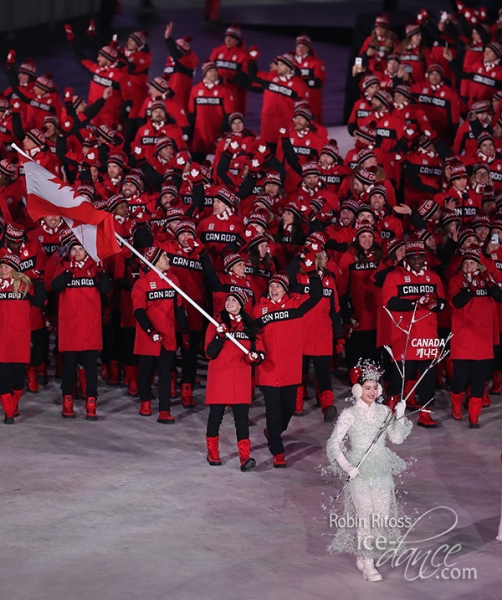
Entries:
{"x":254,"y":259}
{"x":296,"y":231}
{"x":250,"y":329}
{"x":360,"y":253}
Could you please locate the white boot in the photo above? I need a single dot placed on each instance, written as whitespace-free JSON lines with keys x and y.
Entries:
{"x":499,"y":534}
{"x":369,"y":571}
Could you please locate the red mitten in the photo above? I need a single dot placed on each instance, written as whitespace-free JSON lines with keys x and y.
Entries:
{"x":340,"y":345}
{"x":254,"y":53}
{"x":155,"y":336}
{"x":91,"y":30}
{"x":253,"y":358}
{"x":221,"y":330}
{"x":68,"y":96}
{"x":309,"y":263}
{"x":70,"y":36}
{"x":11,"y":58}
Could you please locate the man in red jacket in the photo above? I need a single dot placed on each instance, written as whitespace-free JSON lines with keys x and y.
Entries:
{"x":281,"y":373}
{"x":209,"y":106}
{"x":230,"y":59}
{"x":157,"y":308}
{"x":312,"y":71}
{"x":413,"y":290}
{"x":281,"y":89}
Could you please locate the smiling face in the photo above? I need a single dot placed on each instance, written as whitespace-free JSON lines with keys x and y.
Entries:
{"x":276,"y":291}
{"x":239,"y":268}
{"x":469,"y":266}
{"x":232,"y":305}
{"x":369,"y":392}
{"x":416,"y":261}
{"x":365,"y":240}
{"x":6,"y":271}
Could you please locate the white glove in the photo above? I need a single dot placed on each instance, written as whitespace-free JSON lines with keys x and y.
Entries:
{"x":352,"y":472}
{"x":400,"y":409}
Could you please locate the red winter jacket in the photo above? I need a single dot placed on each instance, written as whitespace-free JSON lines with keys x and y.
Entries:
{"x":229,"y":62}
{"x":228,"y":372}
{"x":474,"y":322}
{"x":157,"y":306}
{"x":79,"y":306}
{"x":282,"y":337}
{"x":401,"y":290}
{"x":15,"y":322}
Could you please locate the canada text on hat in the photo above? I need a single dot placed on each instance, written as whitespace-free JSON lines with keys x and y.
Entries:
{"x":231,"y":260}
{"x":496,"y":48}
{"x":7,"y":168}
{"x":281,"y":279}
{"x":28,"y":67}
{"x":449,"y":216}
{"x":117,"y":159}
{"x":363,"y":155}
{"x":13,"y":233}
{"x":366,"y":132}
{"x":427,"y":209}
{"x":206,"y":66}
{"x":412,"y":29}
{"x":256,"y":239}
{"x":365,"y":176}
{"x":317,"y":237}
{"x":234,"y":31}
{"x":87,"y":190}
{"x":304,"y":112}
{"x":484,"y":136}
{"x":382,"y":21}
{"x":134,"y":179}
{"x":157,"y":104}
{"x":457,"y":171}
{"x":310,"y":168}
{"x":471,"y":253}
{"x":464,"y":234}
{"x":169,"y":188}
{"x":160,"y":84}
{"x":109,"y":53}
{"x":288,"y":60}
{"x":174,"y":214}
{"x":481,"y":221}
{"x":234,"y":116}
{"x":364,"y":227}
{"x":106,"y":132}
{"x":379,"y":188}
{"x":384,"y":97}
{"x":139,"y":37}
{"x":67,"y":238}
{"x":305,"y":40}
{"x":258,"y":218}
{"x":351,"y":205}
{"x":293,"y":207}
{"x":331,"y":149}
{"x":227,"y":197}
{"x":368,"y":80}
{"x":435,"y":67}
{"x":153,"y":253}
{"x":185,"y":227}
{"x":273,"y":178}
{"x":414,"y":247}
{"x":405,"y":90}
{"x":393,"y":245}
{"x":114,"y":201}
{"x":481,"y":106}
{"x":45,"y":83}
{"x":240,"y":295}
{"x":37,"y":137}
{"x":184,"y":43}
{"x":12,"y":260}
{"x":164,"y":142}
{"x":264,"y":200}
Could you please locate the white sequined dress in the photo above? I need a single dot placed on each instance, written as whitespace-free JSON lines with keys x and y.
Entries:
{"x":370,"y":497}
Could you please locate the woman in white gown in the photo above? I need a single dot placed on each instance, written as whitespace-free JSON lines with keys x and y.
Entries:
{"x":369,"y":501}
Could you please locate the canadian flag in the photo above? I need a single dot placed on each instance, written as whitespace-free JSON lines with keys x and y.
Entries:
{"x":50,"y":196}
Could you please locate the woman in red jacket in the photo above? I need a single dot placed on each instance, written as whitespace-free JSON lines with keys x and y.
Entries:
{"x":280,"y":373}
{"x":320,"y":326}
{"x":79,"y":281}
{"x":473,"y":292}
{"x":358,"y":266}
{"x":230,"y":370}
{"x":17,"y":293}
{"x":157,"y":306}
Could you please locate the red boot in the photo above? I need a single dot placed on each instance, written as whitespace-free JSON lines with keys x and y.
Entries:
{"x":174,"y":390}
{"x":114,"y":373}
{"x":392,"y":402}
{"x":327,"y":401}
{"x":244,"y":448}
{"x":486,"y":397}
{"x":105,"y":371}
{"x":456,"y":405}
{"x":90,"y":407}
{"x":9,"y":408}
{"x":186,"y":395}
{"x":42,"y":373}
{"x":67,"y":412}
{"x":82,"y":382}
{"x":31,"y":380}
{"x":213,"y":452}
{"x":497,"y":382}
{"x":165,"y":417}
{"x":145,"y":408}
{"x":132,"y":379}
{"x":475,"y":405}
{"x":425,"y":420}
{"x":279,"y":461}
{"x":411,"y":403}
{"x":299,"y":402}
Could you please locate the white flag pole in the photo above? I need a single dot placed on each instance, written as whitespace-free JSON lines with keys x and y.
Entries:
{"x":180,"y":291}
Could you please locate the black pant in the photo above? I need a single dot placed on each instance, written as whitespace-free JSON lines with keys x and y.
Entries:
{"x":322,"y":371}
{"x":12,"y":377}
{"x":89,"y":360}
{"x":189,"y":357}
{"x":241,"y":420}
{"x":475,"y":373}
{"x":413,"y":369}
{"x":361,"y":344}
{"x":147,"y":366}
{"x":279,"y":408}
{"x":497,"y":359}
{"x":39,"y":346}
{"x":128,"y":335}
{"x":112,"y":346}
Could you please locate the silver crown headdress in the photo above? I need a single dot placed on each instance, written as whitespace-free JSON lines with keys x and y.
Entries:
{"x":368,"y":371}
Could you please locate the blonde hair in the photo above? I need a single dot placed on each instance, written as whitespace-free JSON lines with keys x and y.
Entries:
{"x":21,"y":285}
